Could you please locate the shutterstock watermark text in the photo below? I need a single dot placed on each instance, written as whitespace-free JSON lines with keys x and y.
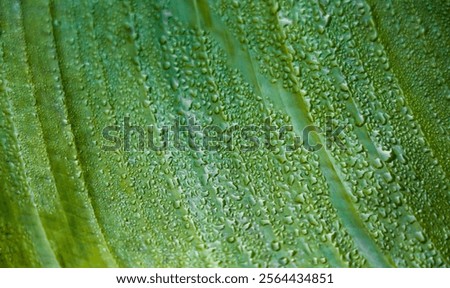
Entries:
{"x":188,"y":134}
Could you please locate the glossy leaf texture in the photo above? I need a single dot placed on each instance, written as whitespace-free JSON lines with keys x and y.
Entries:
{"x":379,"y":69}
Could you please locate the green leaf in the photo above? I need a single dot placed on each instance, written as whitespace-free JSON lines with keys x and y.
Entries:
{"x":376,"y":194}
